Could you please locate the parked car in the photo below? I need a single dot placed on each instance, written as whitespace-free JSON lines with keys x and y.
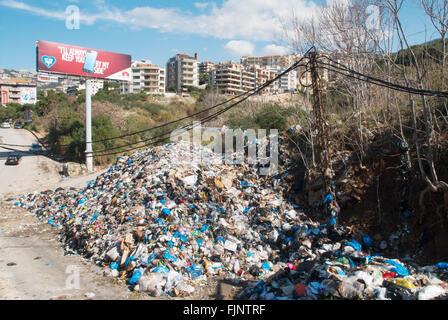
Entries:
{"x":13,"y":159}
{"x":18,"y":126}
{"x":6,"y":125}
{"x":36,"y":148}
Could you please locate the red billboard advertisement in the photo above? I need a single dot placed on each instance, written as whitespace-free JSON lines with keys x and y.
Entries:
{"x":5,"y":97}
{"x":67,"y":59}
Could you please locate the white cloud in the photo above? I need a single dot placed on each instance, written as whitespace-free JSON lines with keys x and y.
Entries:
{"x":201,"y":5}
{"x":244,"y":19}
{"x":275,"y":49}
{"x":60,"y":15}
{"x":238,"y":48}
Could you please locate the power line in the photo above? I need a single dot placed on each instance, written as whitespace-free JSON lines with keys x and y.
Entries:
{"x":342,"y":70}
{"x":206,"y":119}
{"x":210,"y":117}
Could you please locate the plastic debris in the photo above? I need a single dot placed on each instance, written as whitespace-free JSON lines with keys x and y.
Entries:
{"x":168,"y":222}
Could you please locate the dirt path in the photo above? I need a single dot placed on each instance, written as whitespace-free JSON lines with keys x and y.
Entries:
{"x":33,"y":265}
{"x":35,"y":172}
{"x":32,"y":262}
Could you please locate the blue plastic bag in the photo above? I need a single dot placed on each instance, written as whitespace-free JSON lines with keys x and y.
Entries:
{"x":95,"y":216}
{"x":328,"y":198}
{"x":135,"y":276}
{"x":442,"y":265}
{"x":332,"y":221}
{"x":167,"y":255}
{"x":266,"y":266}
{"x":161,"y":269}
{"x":399,"y":269}
{"x":194,"y":271}
{"x":367,"y":241}
{"x":355,"y":244}
{"x":150,"y":258}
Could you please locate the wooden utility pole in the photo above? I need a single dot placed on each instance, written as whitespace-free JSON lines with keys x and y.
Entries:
{"x":322,"y":155}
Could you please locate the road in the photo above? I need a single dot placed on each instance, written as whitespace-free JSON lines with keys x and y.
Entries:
{"x":35,"y":172}
{"x":32,"y":264}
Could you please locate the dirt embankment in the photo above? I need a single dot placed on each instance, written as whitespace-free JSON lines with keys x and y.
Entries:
{"x":380,"y":200}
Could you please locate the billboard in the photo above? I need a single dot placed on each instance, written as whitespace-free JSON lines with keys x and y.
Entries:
{"x":28,"y":116}
{"x":28,"y":95}
{"x":42,"y":77}
{"x":60,"y":58}
{"x":5,"y":97}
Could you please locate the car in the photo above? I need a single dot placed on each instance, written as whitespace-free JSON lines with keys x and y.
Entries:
{"x":17,"y":126}
{"x":13,"y":159}
{"x":6,"y":125}
{"x":35,"y":147}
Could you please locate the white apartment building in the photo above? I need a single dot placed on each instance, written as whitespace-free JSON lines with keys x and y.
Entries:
{"x":182,"y":71}
{"x":145,"y":76}
{"x":263,"y":75}
{"x":18,"y":90}
{"x":206,"y":67}
{"x":71,"y":86}
{"x":232,"y":78}
{"x":266,"y":61}
{"x":287,"y":82}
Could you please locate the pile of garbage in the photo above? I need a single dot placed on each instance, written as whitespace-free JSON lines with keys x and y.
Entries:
{"x":167,"y":220}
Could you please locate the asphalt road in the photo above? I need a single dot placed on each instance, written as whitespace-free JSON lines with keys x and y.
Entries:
{"x":33,"y":170}
{"x":32,"y":263}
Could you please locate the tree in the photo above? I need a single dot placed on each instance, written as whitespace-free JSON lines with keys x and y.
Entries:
{"x":203,"y":78}
{"x":437,"y":10}
{"x":171,"y":89}
{"x":340,"y":30}
{"x":431,"y":179}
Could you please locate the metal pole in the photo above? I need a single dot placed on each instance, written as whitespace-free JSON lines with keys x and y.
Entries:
{"x":89,"y":156}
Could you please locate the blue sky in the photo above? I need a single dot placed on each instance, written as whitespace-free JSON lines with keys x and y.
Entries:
{"x":218,"y":30}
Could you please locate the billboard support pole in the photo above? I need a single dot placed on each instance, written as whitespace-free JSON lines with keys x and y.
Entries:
{"x":89,"y":151}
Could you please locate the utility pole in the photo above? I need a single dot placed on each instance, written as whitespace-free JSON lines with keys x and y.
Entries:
{"x":323,"y":158}
{"x":89,"y":151}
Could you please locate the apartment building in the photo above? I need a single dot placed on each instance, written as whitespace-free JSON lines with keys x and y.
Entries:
{"x":72,"y":86}
{"x":287,"y":82}
{"x":182,"y":71}
{"x":262,"y":75}
{"x":145,"y":76}
{"x":18,"y":90}
{"x":232,"y":78}
{"x":266,"y":61}
{"x":206,"y":67}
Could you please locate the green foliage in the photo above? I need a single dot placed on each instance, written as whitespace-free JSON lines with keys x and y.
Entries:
{"x":203,"y":78}
{"x":10,"y":111}
{"x":104,"y":95}
{"x":152,"y":108}
{"x":271,"y":116}
{"x":51,"y":101}
{"x":67,"y":134}
{"x":171,"y":89}
{"x":427,"y":51}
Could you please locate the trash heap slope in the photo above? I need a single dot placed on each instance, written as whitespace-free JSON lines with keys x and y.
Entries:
{"x":167,"y":220}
